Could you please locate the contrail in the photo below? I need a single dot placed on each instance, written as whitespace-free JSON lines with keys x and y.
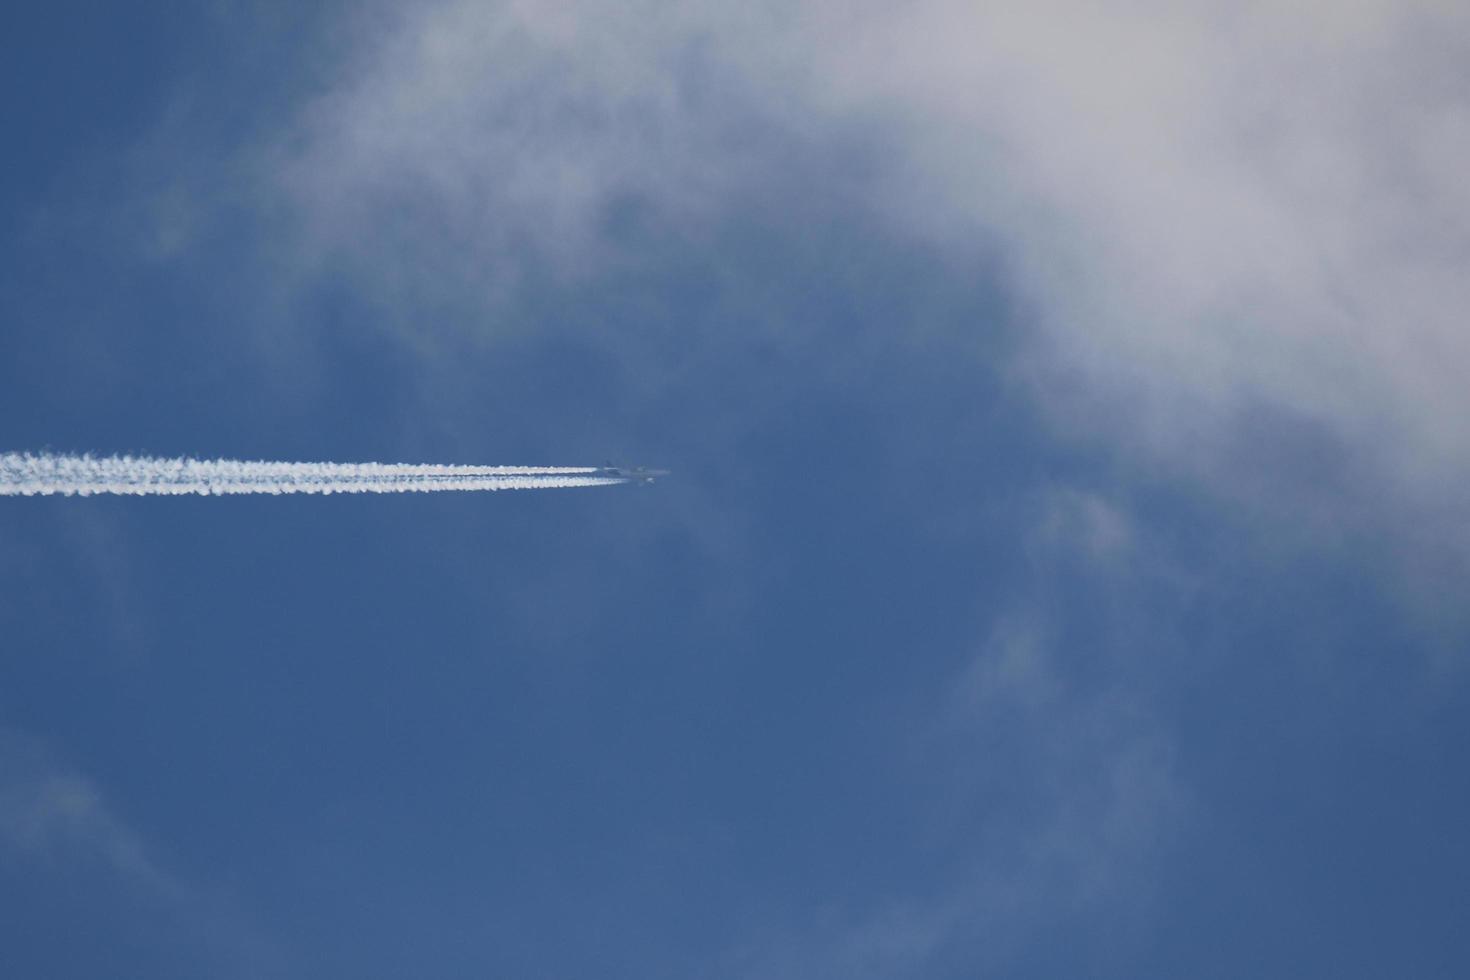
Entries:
{"x":30,"y":474}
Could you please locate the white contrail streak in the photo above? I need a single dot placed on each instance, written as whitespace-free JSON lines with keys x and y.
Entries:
{"x":29,"y":474}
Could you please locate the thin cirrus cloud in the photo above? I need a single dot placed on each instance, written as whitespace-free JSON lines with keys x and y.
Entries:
{"x":47,"y":810}
{"x":57,"y":821}
{"x":1203,"y":208}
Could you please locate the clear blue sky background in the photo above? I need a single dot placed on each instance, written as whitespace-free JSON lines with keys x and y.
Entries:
{"x":940,"y":655}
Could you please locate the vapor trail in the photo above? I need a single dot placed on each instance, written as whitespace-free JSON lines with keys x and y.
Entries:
{"x":29,"y":474}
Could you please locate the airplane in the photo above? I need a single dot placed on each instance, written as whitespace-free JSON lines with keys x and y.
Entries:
{"x":631,"y":474}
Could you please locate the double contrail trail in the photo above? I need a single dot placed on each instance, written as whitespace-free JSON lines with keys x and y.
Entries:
{"x":30,"y":474}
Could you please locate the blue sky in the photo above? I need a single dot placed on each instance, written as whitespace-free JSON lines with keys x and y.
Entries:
{"x":1061,"y":572}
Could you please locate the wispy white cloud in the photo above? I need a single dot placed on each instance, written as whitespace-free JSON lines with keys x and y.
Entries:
{"x":52,"y":813}
{"x":471,"y":142}
{"x":1204,"y":208}
{"x":1060,"y":795}
{"x":1070,"y":830}
{"x":57,"y":823}
{"x":1205,"y":204}
{"x":1085,"y":521}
